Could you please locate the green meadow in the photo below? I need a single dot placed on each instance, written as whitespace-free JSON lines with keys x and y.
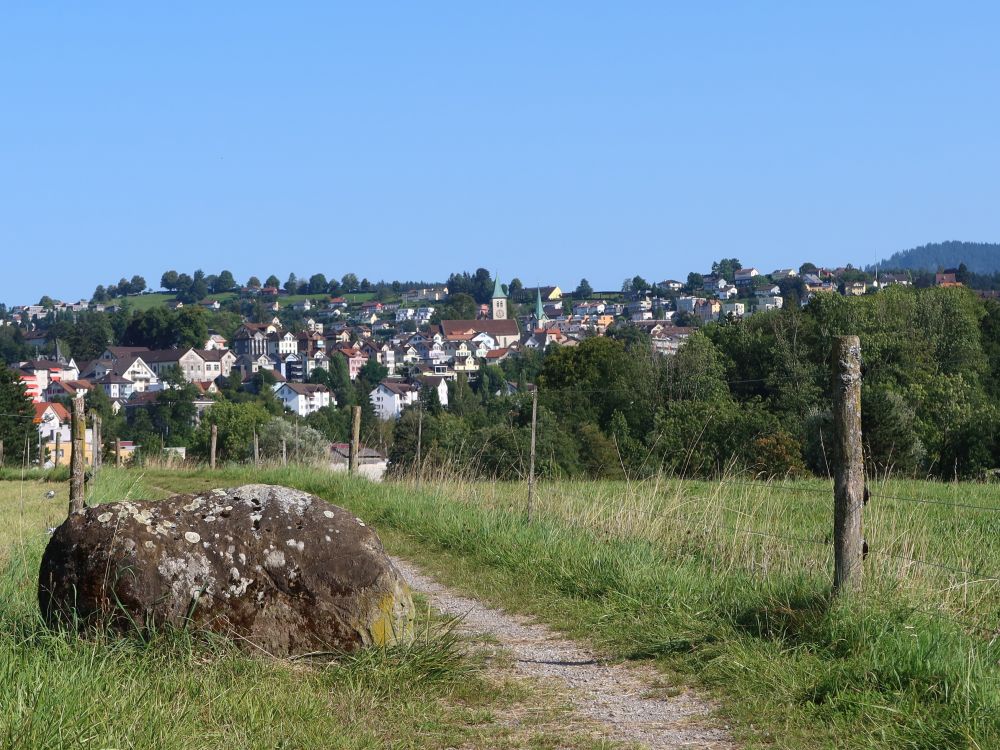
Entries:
{"x":723,"y":585}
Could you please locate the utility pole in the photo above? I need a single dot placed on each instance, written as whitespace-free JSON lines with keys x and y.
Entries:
{"x":78,"y":446}
{"x":849,"y":467}
{"x":352,"y":465}
{"x":420,"y":436}
{"x":531,"y":459}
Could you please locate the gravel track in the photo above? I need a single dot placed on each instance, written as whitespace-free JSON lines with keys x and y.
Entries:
{"x":619,"y":698}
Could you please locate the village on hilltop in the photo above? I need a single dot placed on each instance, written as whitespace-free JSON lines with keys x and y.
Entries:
{"x":285,"y":339}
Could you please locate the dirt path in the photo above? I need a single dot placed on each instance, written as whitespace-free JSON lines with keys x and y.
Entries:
{"x":618,"y":697}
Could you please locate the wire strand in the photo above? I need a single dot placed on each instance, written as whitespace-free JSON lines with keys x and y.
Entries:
{"x":930,"y":501}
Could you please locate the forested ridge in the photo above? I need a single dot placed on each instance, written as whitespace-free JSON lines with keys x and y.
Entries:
{"x":978,"y":257}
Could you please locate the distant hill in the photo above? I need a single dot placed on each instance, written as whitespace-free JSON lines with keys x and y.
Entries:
{"x":979,"y":257}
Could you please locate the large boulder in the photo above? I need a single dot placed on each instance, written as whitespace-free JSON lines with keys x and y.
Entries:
{"x":271,"y":566}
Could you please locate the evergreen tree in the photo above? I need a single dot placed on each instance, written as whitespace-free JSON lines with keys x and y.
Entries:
{"x":17,"y":429}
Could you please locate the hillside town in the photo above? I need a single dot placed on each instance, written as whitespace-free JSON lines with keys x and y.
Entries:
{"x":409,"y":341}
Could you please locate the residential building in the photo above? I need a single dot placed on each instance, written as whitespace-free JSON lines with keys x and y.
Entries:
{"x":669,"y":340}
{"x":304,"y":398}
{"x":736,"y":309}
{"x":709,"y":310}
{"x":216,"y":341}
{"x":947,"y":277}
{"x":689,"y":304}
{"x":390,"y":397}
{"x":771,"y":302}
{"x":355,"y":359}
{"x":431,"y":294}
{"x":547,"y":293}
{"x":728,"y":292}
{"x":193,"y":364}
{"x":117,"y":387}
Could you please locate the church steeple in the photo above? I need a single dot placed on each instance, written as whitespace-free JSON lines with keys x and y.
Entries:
{"x":540,"y":315}
{"x":499,"y":300}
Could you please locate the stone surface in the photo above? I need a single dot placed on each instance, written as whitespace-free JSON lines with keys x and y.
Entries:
{"x":280,"y":569}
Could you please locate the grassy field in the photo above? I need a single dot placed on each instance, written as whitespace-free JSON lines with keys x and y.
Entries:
{"x":143,"y":302}
{"x":184,"y":691}
{"x":723,"y":585}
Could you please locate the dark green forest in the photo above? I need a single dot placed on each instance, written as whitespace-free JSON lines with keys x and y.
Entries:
{"x":978,"y":257}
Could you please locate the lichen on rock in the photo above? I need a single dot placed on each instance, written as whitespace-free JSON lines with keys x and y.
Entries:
{"x":271,"y":566}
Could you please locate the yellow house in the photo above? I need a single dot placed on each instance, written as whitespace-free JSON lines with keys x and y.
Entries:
{"x":65,"y":451}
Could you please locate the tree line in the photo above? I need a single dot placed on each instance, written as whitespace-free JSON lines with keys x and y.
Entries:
{"x":751,"y":394}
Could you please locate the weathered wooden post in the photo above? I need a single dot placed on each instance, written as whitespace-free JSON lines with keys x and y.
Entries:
{"x":118,"y":453}
{"x":531,"y":458}
{"x":284,"y":452}
{"x":849,"y":468}
{"x":77,"y":448}
{"x":1,"y":453}
{"x":213,"y":446}
{"x":352,"y":463}
{"x":56,"y":460}
{"x":256,"y":449}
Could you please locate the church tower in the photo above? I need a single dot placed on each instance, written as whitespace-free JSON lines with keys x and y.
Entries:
{"x":539,"y":316}
{"x":499,"y":301}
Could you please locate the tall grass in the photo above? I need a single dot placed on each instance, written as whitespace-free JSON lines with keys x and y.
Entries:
{"x":180,"y":689}
{"x":727,"y":584}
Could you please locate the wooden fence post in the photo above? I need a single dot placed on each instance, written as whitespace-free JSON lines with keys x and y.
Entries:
{"x":531,"y":458}
{"x":256,"y":449}
{"x":849,"y":468}
{"x":118,"y":453}
{"x":1,"y":453}
{"x":77,"y":448}
{"x":214,"y":445}
{"x":352,"y":464}
{"x":284,"y":452}
{"x":56,"y":461}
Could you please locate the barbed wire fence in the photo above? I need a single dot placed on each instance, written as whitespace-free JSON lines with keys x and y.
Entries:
{"x":850,"y":490}
{"x":847,"y":541}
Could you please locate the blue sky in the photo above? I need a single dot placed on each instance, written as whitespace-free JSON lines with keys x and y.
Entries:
{"x":551,"y":141}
